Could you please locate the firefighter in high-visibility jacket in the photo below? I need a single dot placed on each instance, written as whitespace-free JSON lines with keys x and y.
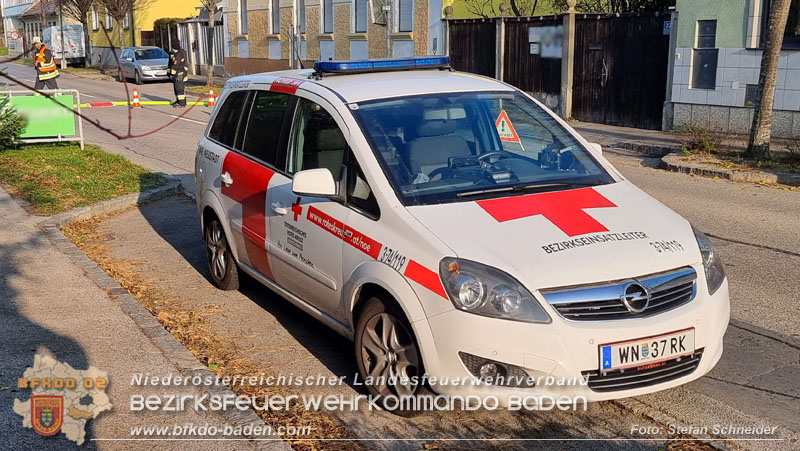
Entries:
{"x":45,"y":65}
{"x":179,"y":72}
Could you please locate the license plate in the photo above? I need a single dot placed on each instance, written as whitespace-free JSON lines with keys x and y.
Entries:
{"x":626,"y":354}
{"x":161,"y":72}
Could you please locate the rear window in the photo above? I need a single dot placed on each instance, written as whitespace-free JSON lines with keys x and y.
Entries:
{"x":223,"y":130}
{"x":150,"y":54}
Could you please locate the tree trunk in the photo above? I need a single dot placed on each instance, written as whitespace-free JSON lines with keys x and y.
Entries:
{"x":761,"y":130}
{"x":121,"y":34}
{"x":210,"y":62}
{"x":87,"y":42}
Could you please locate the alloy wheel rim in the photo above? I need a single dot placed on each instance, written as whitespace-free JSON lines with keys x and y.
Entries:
{"x":217,"y":251}
{"x":390,"y":356}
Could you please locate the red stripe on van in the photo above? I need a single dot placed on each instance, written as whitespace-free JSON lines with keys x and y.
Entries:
{"x":249,"y":188}
{"x":425,"y":277}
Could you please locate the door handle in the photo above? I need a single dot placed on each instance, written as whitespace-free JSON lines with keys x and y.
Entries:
{"x":226,"y":178}
{"x":279,"y":209}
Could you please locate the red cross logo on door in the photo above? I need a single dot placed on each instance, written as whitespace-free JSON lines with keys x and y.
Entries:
{"x":297,"y":209}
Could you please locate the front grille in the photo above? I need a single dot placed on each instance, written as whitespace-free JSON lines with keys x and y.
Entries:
{"x":643,"y":376}
{"x":605,"y":302}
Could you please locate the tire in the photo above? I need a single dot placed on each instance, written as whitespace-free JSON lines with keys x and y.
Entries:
{"x":380,"y":356}
{"x":221,"y":265}
{"x":120,"y":77}
{"x":137,"y":78}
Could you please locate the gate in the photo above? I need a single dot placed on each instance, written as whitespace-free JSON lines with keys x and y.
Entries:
{"x":620,"y":72}
{"x":524,"y":64}
{"x":472,"y":46}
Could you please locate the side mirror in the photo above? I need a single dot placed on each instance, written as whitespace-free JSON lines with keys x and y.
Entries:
{"x":596,"y":147}
{"x":314,"y":183}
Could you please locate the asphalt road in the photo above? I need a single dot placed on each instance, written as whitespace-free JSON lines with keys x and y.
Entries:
{"x":755,"y":228}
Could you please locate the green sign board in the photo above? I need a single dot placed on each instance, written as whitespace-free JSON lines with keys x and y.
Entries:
{"x":45,"y":117}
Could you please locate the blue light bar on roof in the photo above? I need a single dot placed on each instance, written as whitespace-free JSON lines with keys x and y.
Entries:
{"x":382,"y":65}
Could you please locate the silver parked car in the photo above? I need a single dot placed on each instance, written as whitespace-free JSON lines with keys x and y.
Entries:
{"x":143,"y":64}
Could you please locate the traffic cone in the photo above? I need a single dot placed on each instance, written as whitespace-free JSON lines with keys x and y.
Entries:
{"x":136,"y":103}
{"x":212,"y":99}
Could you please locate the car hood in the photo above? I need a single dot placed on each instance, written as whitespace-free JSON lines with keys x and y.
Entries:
{"x":571,"y":237}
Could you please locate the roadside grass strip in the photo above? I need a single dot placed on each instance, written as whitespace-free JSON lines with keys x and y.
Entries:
{"x":54,"y":178}
{"x":192,"y":326}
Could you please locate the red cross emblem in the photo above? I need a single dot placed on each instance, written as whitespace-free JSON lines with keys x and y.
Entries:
{"x":563,"y":208}
{"x":297,"y":209}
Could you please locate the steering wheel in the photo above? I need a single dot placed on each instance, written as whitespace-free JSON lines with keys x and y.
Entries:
{"x":495,"y":153}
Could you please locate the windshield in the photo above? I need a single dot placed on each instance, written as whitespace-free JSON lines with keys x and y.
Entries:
{"x":447,"y":147}
{"x":150,"y":54}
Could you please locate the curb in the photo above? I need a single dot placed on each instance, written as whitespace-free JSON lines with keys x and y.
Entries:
{"x":673,"y":162}
{"x":172,"y":349}
{"x":648,"y":149}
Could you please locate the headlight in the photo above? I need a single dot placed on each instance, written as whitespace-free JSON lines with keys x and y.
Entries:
{"x":146,"y":68}
{"x":712,"y":264}
{"x":483,"y":290}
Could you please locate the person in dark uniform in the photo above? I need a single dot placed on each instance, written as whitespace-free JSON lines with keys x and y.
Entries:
{"x":179,"y":72}
{"x":45,"y":65}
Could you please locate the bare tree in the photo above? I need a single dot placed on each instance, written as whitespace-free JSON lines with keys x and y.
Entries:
{"x":584,"y":6}
{"x":483,"y":8}
{"x":211,"y":7}
{"x":761,"y":130}
{"x":118,"y":9}
{"x":79,"y":10}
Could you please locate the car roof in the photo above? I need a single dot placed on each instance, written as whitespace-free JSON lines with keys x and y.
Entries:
{"x":379,"y":85}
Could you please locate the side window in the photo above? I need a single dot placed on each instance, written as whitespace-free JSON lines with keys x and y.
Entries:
{"x":317,"y":142}
{"x":359,"y":194}
{"x":225,"y":124}
{"x":264,"y":125}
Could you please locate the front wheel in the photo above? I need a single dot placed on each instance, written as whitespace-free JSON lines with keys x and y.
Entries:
{"x":137,"y":78}
{"x":387,"y":354}
{"x":221,"y":265}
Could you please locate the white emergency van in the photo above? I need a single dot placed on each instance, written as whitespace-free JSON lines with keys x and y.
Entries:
{"x":456,"y":230}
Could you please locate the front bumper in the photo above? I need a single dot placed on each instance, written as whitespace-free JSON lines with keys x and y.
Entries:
{"x":151,"y":75}
{"x":563,"y":349}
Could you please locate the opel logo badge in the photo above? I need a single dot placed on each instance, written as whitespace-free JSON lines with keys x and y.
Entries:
{"x":635,"y":297}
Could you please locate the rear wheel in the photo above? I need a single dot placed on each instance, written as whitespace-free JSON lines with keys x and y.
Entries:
{"x":221,"y":265}
{"x":120,"y":77}
{"x":387,"y":353}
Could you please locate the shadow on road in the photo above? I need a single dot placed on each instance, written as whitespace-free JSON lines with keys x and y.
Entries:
{"x":21,"y":338}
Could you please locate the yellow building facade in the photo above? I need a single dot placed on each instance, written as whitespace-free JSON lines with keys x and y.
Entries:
{"x":104,"y":32}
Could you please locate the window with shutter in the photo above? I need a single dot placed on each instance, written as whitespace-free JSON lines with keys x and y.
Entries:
{"x":327,"y":16}
{"x":406,"y":18}
{"x":243,"y":26}
{"x":276,"y":16}
{"x":361,"y":16}
{"x":301,"y":16}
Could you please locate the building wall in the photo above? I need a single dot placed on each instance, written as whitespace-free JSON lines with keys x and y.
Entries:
{"x":264,"y":45}
{"x":732,"y":14}
{"x":738,"y":65}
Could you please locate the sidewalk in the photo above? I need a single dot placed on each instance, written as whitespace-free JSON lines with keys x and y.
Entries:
{"x":654,"y":142}
{"x":50,"y":306}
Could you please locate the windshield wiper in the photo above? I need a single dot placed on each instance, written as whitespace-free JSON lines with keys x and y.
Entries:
{"x":530,"y":187}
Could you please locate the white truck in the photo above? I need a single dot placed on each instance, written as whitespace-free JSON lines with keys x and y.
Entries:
{"x":72,"y":48}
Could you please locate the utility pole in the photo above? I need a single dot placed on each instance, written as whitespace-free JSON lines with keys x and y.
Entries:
{"x":63,"y":47}
{"x":387,"y":7}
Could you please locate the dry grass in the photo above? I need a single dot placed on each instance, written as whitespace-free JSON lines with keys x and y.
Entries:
{"x":193,"y":329}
